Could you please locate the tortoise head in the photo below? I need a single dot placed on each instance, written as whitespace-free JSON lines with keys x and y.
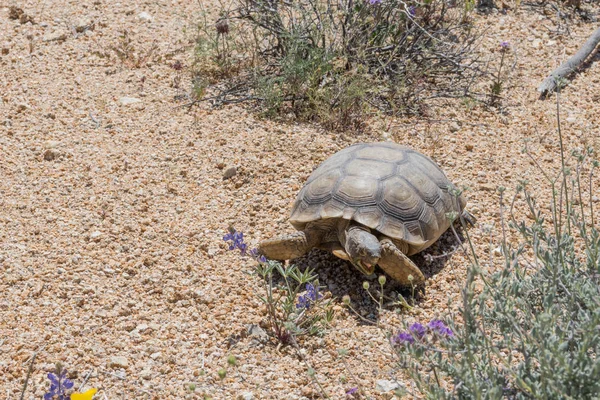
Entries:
{"x":363,"y":249}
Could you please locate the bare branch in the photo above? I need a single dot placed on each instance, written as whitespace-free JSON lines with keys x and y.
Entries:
{"x":549,"y":84}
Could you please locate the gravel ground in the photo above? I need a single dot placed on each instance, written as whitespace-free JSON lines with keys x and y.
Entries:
{"x":113,"y":203}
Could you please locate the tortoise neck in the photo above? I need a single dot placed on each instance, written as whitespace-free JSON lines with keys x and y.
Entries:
{"x":346,"y":228}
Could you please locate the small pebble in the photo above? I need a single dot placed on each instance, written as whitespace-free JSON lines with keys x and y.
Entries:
{"x":229,"y":173}
{"x":83,"y":25}
{"x":144,"y":16}
{"x":118,"y":362}
{"x":146,"y":374}
{"x":51,"y":144}
{"x":95,"y":235}
{"x":56,"y":36}
{"x":51,"y":154}
{"x":125,"y":101}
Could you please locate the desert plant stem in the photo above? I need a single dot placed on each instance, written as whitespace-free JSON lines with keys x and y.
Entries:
{"x":33,"y":357}
{"x":562,"y":156}
{"x":591,"y":195}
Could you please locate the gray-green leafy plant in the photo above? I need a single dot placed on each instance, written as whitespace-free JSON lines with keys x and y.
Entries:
{"x":295,"y":306}
{"x":289,"y":311}
{"x":533,"y":330}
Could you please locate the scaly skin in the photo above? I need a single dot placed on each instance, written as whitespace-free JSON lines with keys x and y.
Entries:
{"x":290,"y":246}
{"x":397,"y":264}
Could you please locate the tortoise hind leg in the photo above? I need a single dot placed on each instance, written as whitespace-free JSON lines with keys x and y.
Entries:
{"x":398,"y":265}
{"x":289,"y":246}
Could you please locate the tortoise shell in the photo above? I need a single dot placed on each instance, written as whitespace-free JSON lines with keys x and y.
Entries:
{"x":392,"y":189}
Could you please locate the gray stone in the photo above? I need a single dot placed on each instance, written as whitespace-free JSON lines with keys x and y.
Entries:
{"x":229,"y":173}
{"x":384,"y":386}
{"x":257,"y":332}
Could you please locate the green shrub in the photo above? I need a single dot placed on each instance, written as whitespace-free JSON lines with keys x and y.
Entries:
{"x":332,"y":61}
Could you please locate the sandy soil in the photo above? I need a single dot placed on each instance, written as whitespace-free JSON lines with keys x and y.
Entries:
{"x":112,"y":212}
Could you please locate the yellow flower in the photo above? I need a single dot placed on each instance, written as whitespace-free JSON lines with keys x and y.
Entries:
{"x":87,"y":395}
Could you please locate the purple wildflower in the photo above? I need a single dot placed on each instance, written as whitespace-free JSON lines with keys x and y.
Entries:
{"x":403,"y":338}
{"x":257,"y":256}
{"x":237,"y":239}
{"x":417,"y":330}
{"x":374,"y":2}
{"x":504,"y":45}
{"x":312,"y":295}
{"x":352,"y":390}
{"x":58,"y":384}
{"x":412,"y":11}
{"x":440,"y":328}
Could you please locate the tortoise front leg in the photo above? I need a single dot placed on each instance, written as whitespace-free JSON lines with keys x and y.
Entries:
{"x":397,"y":264}
{"x":335,"y":248}
{"x":289,"y":246}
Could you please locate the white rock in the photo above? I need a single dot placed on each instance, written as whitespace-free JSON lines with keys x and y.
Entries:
{"x":125,"y":101}
{"x":246,"y":396}
{"x":118,"y":362}
{"x":146,"y":374}
{"x":144,"y":16}
{"x":51,"y":144}
{"x":384,"y":386}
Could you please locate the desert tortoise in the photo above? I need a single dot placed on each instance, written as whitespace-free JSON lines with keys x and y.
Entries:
{"x":371,"y":204}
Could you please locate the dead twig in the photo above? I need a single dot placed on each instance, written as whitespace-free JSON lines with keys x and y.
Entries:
{"x":87,"y":376}
{"x":551,"y":82}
